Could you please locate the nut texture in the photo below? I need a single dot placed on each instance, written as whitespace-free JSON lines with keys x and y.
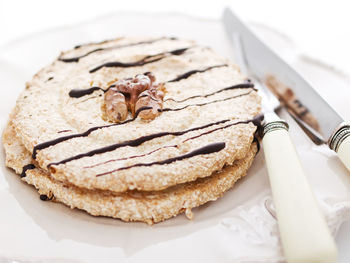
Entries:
{"x":132,"y":94}
{"x":116,"y":108}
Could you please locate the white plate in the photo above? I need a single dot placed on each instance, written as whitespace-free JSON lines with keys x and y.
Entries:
{"x":236,"y":228}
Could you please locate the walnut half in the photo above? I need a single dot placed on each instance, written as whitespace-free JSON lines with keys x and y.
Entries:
{"x":132,"y":94}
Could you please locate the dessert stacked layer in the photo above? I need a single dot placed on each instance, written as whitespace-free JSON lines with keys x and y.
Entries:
{"x":134,"y":128}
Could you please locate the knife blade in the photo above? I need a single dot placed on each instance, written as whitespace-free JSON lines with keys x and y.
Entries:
{"x":310,"y":110}
{"x":304,"y":232}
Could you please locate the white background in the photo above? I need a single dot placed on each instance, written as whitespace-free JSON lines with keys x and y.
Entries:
{"x":319,"y":28}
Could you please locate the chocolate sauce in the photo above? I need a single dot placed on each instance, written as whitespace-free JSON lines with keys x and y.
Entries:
{"x":131,"y":157}
{"x":256,"y":120}
{"x":64,"y":131}
{"x":191,"y":72}
{"x":77,"y":93}
{"x":219,"y":128}
{"x":238,"y":86}
{"x":256,"y":140}
{"x":86,"y":133}
{"x":206,"y":103}
{"x":97,"y":43}
{"x":208,"y":149}
{"x":134,"y":143}
{"x":141,"y":140}
{"x":76,"y":59}
{"x":141,"y":62}
{"x":44,"y":197}
{"x":26,"y":168}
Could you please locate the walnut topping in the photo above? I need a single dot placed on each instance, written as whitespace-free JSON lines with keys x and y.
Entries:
{"x":132,"y":94}
{"x":150,"y":98}
{"x":116,"y":108}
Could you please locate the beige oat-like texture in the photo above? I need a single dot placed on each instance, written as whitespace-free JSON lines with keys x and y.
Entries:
{"x":201,"y":108}
{"x":149,"y":207}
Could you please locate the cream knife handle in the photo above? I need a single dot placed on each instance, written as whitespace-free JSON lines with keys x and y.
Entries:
{"x":344,"y":152}
{"x":340,"y":143}
{"x":304,"y":233}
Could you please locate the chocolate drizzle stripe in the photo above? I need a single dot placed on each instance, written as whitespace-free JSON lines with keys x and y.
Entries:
{"x":255,"y":120}
{"x":44,"y":197}
{"x":146,"y":60}
{"x":134,"y":143}
{"x":191,"y":72}
{"x":131,"y":157}
{"x":206,"y":103}
{"x":77,"y":58}
{"x":141,"y":140}
{"x":208,"y":149}
{"x":238,"y":86}
{"x":26,"y":168}
{"x":86,"y":133}
{"x":77,"y":93}
{"x":257,"y":144}
{"x":64,"y":131}
{"x":214,"y":130}
{"x":98,"y":43}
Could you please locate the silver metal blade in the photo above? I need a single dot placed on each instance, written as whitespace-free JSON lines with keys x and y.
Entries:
{"x":304,"y":101}
{"x":269,"y":101}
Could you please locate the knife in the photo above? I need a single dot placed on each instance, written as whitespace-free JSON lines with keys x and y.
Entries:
{"x":304,"y":233}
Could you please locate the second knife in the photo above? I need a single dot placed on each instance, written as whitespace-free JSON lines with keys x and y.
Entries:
{"x":304,"y":233}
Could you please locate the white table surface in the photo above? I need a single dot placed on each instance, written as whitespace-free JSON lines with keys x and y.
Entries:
{"x":320,"y":29}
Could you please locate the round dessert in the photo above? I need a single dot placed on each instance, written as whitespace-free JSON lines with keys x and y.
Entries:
{"x":150,"y":207}
{"x":136,"y":114}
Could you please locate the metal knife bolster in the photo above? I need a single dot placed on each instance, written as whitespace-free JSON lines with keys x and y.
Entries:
{"x":273,"y":126}
{"x":271,"y":123}
{"x":341,"y":133}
